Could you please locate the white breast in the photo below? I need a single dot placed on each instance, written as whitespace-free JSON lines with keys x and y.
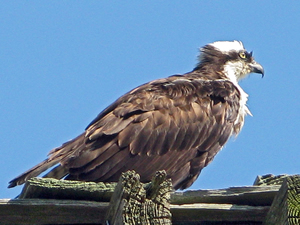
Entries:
{"x":231,"y":70}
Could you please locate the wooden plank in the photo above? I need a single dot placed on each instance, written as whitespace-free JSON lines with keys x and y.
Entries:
{"x":63,"y":189}
{"x":294,"y":199}
{"x":46,"y":211}
{"x":248,"y":195}
{"x":218,"y":213}
{"x":270,"y":179}
{"x":136,"y":203}
{"x":285,"y":208}
{"x":244,"y":205}
{"x":49,"y":188}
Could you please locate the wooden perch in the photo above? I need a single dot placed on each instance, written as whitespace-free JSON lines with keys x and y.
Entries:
{"x":49,"y":188}
{"x":50,"y":201}
{"x":50,"y":211}
{"x":270,"y":179}
{"x":134,"y":203}
{"x":247,"y":195}
{"x":285,"y":208}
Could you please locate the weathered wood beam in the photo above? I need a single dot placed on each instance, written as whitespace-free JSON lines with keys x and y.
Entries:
{"x":242,"y":205}
{"x":218,"y":213}
{"x":49,"y":188}
{"x":64,"y":189}
{"x":136,"y":203}
{"x":247,"y":195}
{"x":285,"y":209}
{"x":49,"y":211}
{"x":270,"y":179}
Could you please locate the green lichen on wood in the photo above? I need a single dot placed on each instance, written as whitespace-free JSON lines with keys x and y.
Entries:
{"x":270,"y":179}
{"x":285,"y":209}
{"x":293,"y":199}
{"x":49,"y":188}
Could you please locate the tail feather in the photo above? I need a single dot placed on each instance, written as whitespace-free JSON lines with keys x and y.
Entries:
{"x":55,"y":156}
{"x":33,"y":172}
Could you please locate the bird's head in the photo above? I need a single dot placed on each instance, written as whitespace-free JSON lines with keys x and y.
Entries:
{"x":231,"y":58}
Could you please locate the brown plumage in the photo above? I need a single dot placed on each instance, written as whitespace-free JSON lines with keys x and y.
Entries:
{"x":177,"y":124}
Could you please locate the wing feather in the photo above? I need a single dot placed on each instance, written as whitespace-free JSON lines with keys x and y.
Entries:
{"x":175,"y":122}
{"x":126,"y":136}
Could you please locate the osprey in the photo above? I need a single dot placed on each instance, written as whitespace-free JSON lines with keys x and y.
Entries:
{"x":177,"y":124}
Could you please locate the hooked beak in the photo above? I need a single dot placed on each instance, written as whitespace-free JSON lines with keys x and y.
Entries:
{"x":256,"y":68}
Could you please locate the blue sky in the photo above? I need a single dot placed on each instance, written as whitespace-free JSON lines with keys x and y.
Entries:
{"x":62,"y":62}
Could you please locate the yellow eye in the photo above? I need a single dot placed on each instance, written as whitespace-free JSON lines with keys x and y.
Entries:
{"x":243,"y":55}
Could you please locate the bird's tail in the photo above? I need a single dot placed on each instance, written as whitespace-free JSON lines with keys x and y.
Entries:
{"x":56,"y":156}
{"x":33,"y":172}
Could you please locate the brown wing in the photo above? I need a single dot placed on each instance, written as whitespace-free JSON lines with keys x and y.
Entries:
{"x":177,"y":124}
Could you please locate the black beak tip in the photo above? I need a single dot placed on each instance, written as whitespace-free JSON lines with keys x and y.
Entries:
{"x":257,"y":68}
{"x":262,"y":72}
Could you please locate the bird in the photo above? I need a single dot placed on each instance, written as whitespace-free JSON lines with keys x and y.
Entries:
{"x":177,"y":124}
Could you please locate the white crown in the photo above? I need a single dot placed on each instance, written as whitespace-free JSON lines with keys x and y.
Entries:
{"x":227,"y":46}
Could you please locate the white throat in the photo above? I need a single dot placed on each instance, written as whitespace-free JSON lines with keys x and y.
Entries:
{"x":234,"y":72}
